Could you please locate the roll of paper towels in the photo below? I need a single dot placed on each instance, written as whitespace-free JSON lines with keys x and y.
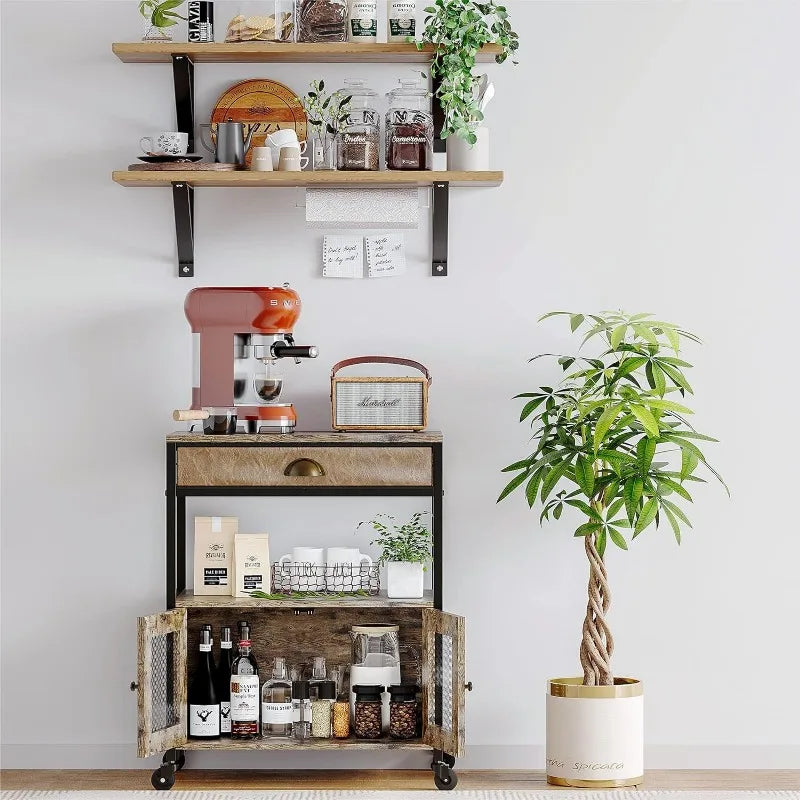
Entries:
{"x":362,"y":208}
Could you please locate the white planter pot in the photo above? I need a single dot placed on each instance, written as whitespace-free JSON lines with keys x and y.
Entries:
{"x":595,"y":734}
{"x":404,"y":579}
{"x":469,"y":158}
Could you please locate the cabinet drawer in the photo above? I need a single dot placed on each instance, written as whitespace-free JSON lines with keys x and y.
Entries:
{"x":273,"y":466}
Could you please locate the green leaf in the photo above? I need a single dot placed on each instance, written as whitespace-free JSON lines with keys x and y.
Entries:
{"x":645,"y":333}
{"x":530,"y":407}
{"x":605,"y":421}
{"x":533,"y":487}
{"x":552,"y":478}
{"x":517,"y":465}
{"x":582,"y":505}
{"x":575,"y":321}
{"x":676,"y":529}
{"x":676,"y":487}
{"x":689,"y":462}
{"x":617,"y":538}
{"x":617,"y":335}
{"x":645,"y":450}
{"x":676,"y":510}
{"x":587,"y":528}
{"x":512,"y":484}
{"x":667,"y":405}
{"x":632,"y":493}
{"x":615,"y":507}
{"x":647,"y":515}
{"x":629,"y":365}
{"x":600,"y":542}
{"x":584,"y":475}
{"x":611,"y":491}
{"x":646,"y":418}
{"x":675,"y":341}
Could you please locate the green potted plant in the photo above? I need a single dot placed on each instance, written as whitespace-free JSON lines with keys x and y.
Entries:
{"x":458,"y":29}
{"x":159,"y":16}
{"x":327,"y":115}
{"x":610,"y":443}
{"x":405,"y":551}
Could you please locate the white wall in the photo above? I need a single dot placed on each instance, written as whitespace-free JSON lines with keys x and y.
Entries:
{"x":651,"y":156}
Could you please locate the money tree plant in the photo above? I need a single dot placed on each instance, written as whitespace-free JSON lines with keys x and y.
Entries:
{"x":610,"y":443}
{"x":160,"y":16}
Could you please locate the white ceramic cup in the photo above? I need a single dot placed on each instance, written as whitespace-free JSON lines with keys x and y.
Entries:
{"x":262,"y":159}
{"x":344,"y":569}
{"x":308,"y":572}
{"x":347,"y":555}
{"x":290,"y":159}
{"x":281,"y":138}
{"x":173,"y":143}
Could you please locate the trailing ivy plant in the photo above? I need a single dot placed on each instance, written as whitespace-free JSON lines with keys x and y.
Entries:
{"x":410,"y":541}
{"x":327,"y":111}
{"x":458,"y":29}
{"x":161,"y":15}
{"x":610,"y":443}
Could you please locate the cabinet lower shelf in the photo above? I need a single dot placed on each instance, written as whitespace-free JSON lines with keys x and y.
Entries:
{"x":309,"y":744}
{"x":190,"y":600}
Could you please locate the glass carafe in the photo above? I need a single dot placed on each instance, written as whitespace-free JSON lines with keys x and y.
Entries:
{"x":409,"y":127}
{"x":358,"y":144}
{"x":375,"y":660}
{"x":268,"y":383}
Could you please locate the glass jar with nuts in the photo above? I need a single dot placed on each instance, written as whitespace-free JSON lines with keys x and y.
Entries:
{"x":262,"y":21}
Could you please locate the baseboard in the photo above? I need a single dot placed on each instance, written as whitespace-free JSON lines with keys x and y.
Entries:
{"x":122,"y":756}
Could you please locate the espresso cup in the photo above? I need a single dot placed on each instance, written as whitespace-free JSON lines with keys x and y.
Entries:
{"x":262,"y":159}
{"x":290,"y":159}
{"x":171,"y":143}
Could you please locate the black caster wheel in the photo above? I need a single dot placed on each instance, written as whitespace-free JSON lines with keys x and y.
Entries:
{"x":445,"y":779}
{"x":446,"y":758}
{"x":177,"y":758}
{"x":163,"y":777}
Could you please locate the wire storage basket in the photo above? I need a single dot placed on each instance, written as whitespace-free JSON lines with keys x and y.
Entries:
{"x":329,"y":579}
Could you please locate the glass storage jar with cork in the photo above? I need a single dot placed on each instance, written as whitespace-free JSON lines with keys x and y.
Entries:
{"x":358,"y":144}
{"x":409,"y":127}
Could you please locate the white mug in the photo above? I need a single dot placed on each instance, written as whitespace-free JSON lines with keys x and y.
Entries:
{"x":262,"y":159}
{"x":173,"y":143}
{"x":345,"y":570}
{"x":307,"y":572}
{"x":290,"y":159}
{"x":347,"y":555}
{"x":281,"y":138}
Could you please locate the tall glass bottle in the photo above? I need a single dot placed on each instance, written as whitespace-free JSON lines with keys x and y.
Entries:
{"x":223,"y":680}
{"x":276,"y":702}
{"x":203,"y":700}
{"x":244,"y":689}
{"x":319,"y":673}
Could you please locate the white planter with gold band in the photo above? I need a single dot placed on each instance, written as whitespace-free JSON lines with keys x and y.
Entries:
{"x":595,"y":734}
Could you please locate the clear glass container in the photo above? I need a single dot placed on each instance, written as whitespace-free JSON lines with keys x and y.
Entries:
{"x":321,"y":20}
{"x":323,"y":151}
{"x":261,"y":21}
{"x":359,"y":141}
{"x":269,"y":382}
{"x":409,"y":127}
{"x":319,"y":675}
{"x":403,"y":711}
{"x":367,"y":714}
{"x":321,"y":710}
{"x":276,"y":702}
{"x":301,"y":710}
{"x":341,"y":718}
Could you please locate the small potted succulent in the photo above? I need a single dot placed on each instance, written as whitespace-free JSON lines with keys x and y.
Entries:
{"x":458,"y":29}
{"x":327,"y":114}
{"x":406,"y":552}
{"x":159,"y":16}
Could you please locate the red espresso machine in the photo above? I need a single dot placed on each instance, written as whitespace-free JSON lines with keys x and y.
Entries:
{"x":240,"y":335}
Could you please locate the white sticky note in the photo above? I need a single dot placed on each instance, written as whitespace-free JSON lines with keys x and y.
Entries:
{"x":386,"y":255}
{"x":342,"y":257}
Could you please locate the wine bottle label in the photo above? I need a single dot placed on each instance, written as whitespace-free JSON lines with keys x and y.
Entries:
{"x":203,"y":720}
{"x":276,"y":713}
{"x":224,"y":717}
{"x":244,"y":698}
{"x":205,"y":648}
{"x":226,"y":645}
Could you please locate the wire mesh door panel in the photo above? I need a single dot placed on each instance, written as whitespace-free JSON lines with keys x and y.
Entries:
{"x":161,"y":679}
{"x":443,"y":681}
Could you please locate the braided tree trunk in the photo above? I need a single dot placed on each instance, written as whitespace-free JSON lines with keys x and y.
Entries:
{"x":597,"y":645}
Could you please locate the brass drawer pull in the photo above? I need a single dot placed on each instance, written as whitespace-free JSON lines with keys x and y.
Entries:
{"x":304,"y":468}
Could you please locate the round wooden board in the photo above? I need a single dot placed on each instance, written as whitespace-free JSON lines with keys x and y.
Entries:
{"x":261,"y":103}
{"x":184,"y":166}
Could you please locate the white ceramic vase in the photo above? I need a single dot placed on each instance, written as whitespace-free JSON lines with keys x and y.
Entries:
{"x":461,"y":156}
{"x":595,"y":734}
{"x":404,"y":579}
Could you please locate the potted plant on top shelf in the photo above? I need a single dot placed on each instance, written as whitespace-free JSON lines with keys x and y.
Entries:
{"x":159,"y":16}
{"x":406,"y":552}
{"x":625,"y":454}
{"x":458,"y":29}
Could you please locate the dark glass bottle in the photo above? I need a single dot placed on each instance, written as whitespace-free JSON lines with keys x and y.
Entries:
{"x":203,"y":701}
{"x":244,"y":690}
{"x":223,"y":680}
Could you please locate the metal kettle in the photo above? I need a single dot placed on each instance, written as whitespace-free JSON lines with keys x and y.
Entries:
{"x":232,"y":144}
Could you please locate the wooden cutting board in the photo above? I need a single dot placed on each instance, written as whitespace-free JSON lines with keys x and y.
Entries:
{"x":183,"y":166}
{"x":261,"y":103}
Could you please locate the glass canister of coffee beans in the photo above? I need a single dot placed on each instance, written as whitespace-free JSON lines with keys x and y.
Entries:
{"x":409,"y":127}
{"x":403,"y":711}
{"x":367,"y":715}
{"x":358,"y":143}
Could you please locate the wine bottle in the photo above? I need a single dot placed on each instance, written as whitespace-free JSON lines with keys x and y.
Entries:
{"x":223,"y":680}
{"x":244,"y":690}
{"x":203,"y":700}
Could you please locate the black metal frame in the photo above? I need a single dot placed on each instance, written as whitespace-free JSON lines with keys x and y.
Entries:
{"x":440,"y":199}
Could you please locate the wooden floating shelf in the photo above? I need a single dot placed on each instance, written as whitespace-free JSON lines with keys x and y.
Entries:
{"x":334,"y":179}
{"x":189,"y":600}
{"x":265,"y":52}
{"x":308,"y":744}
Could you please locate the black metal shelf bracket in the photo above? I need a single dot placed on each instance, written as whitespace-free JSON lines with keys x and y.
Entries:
{"x":183,"y":78}
{"x":183,"y":202}
{"x":441,"y":203}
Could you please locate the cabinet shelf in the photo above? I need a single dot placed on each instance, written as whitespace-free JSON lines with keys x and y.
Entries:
{"x":190,"y":600}
{"x":266,"y":52}
{"x":309,"y":744}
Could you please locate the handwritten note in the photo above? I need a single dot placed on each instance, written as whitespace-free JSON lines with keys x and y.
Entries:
{"x":386,"y":255}
{"x":343,"y":257}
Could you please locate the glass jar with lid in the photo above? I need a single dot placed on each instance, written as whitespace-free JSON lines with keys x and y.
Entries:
{"x":409,"y":127}
{"x":367,"y":715}
{"x":403,"y":711}
{"x":261,"y":21}
{"x":321,"y":20}
{"x":358,"y":143}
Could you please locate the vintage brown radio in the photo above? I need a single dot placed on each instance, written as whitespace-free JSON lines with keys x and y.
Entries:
{"x":379,"y":403}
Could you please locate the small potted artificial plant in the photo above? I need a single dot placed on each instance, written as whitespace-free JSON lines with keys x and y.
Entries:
{"x":159,"y":16}
{"x":406,"y":552}
{"x":625,"y":454}
{"x":458,"y":29}
{"x":327,"y":115}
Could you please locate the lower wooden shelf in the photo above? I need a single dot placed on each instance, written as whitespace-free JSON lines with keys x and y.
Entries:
{"x":190,"y":600}
{"x":308,"y":744}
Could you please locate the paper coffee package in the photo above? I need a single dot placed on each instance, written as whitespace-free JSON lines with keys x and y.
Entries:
{"x":251,"y":563}
{"x":213,"y":554}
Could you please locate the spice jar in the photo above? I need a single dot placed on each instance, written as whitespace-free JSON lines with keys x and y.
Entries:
{"x":321,"y":710}
{"x":301,"y":710}
{"x":367,"y":716}
{"x":409,"y":128}
{"x":321,"y":20}
{"x":341,"y":717}
{"x":359,"y":141}
{"x":403,"y":711}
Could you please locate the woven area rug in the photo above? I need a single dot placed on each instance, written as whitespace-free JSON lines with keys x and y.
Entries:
{"x":499,"y":794}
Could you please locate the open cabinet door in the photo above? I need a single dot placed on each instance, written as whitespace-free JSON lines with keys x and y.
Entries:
{"x":443,"y":684}
{"x":161,"y":680}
